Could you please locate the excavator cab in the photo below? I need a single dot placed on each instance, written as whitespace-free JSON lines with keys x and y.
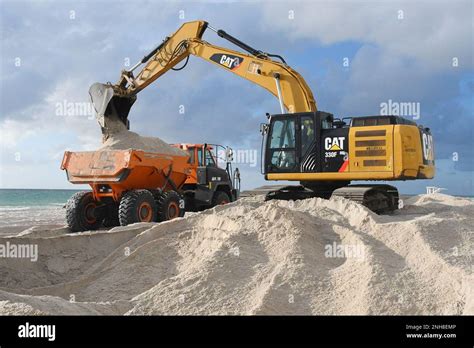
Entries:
{"x":294,"y":143}
{"x":325,"y":154}
{"x":315,"y":146}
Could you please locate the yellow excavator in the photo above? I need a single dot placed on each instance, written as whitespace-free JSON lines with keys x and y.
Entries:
{"x":321,"y":152}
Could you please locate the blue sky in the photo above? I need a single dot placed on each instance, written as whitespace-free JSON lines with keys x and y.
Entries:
{"x":403,"y":51}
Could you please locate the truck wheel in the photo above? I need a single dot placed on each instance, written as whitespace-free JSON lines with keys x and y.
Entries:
{"x":170,"y":206}
{"x":137,"y":206}
{"x":220,"y":198}
{"x":81,"y":212}
{"x":111,"y":218}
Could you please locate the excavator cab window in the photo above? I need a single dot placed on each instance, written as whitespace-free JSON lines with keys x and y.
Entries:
{"x":327,"y":122}
{"x":282,"y":144}
{"x":307,"y":133}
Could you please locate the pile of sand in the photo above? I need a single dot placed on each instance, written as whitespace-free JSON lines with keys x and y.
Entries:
{"x":253,"y":257}
{"x":118,"y":137}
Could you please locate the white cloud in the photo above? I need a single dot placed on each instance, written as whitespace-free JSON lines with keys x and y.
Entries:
{"x":432,"y":32}
{"x":12,"y":132}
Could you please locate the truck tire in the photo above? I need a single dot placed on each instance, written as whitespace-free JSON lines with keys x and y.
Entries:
{"x":111,"y":218}
{"x":81,"y":213}
{"x":220,"y":198}
{"x":137,"y":206}
{"x":170,"y":206}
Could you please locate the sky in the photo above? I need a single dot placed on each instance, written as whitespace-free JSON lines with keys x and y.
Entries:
{"x":355,"y":56}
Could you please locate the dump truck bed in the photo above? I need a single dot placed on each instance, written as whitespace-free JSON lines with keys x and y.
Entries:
{"x":122,"y":170}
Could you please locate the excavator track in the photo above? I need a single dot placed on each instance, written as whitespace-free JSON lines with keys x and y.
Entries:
{"x":378,"y":198}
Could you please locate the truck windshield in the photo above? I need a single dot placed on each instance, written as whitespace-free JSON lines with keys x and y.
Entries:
{"x":210,"y":159}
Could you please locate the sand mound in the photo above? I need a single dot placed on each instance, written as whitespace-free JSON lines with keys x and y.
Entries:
{"x":129,"y":140}
{"x":253,"y":257}
{"x":119,"y":138}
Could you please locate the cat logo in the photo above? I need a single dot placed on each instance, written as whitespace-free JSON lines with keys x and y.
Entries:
{"x":334,"y":144}
{"x":428,"y":147}
{"x":227,"y":60}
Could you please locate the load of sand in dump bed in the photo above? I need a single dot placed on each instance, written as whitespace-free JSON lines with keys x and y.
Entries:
{"x":256,"y":257}
{"x":120,"y":138}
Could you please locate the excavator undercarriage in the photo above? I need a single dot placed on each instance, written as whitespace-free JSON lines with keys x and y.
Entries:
{"x":380,"y":199}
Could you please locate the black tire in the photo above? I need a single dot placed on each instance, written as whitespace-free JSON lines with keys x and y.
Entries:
{"x":81,"y":212}
{"x":137,"y":206}
{"x":111,"y":218}
{"x":220,"y":198}
{"x":170,"y":205}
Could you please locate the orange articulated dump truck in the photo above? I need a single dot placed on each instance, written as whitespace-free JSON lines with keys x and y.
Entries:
{"x":131,"y":186}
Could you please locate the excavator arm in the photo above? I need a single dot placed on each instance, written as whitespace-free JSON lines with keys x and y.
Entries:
{"x":115,"y":101}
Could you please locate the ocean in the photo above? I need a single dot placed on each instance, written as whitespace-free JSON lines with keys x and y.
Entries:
{"x":27,"y":207}
{"x":20,"y":207}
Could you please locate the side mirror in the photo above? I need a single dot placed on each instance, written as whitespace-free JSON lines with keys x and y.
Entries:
{"x":263,"y":128}
{"x":229,"y":154}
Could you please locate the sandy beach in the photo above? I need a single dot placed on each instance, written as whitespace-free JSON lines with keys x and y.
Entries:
{"x":252,"y":257}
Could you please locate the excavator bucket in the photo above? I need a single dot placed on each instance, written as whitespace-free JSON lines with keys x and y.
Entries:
{"x":109,"y":106}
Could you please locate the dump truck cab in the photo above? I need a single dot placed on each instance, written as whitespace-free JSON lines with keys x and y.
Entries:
{"x":211,"y":180}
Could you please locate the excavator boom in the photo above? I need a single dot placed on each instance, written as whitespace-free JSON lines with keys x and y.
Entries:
{"x":115,"y":101}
